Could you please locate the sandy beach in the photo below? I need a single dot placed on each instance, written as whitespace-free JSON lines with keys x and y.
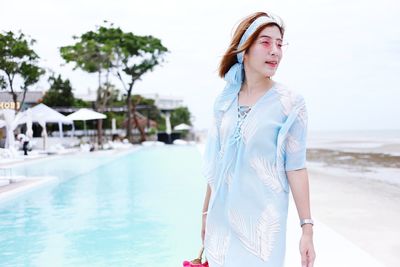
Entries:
{"x":355,"y":189}
{"x":365,"y":211}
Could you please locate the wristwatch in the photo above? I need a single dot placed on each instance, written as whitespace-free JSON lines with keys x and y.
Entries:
{"x":304,"y":221}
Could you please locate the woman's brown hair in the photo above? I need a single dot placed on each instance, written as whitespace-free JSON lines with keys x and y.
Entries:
{"x":229,"y":58}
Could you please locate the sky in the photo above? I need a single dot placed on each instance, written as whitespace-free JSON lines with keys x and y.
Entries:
{"x":343,"y":56}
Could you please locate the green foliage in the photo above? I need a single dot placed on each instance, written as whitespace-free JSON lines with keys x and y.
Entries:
{"x":88,"y":53}
{"x":139,"y":54}
{"x":60,"y":93}
{"x":151,"y":131}
{"x":109,"y":47}
{"x":118,"y":103}
{"x":18,"y":62}
{"x":161,"y":126}
{"x":79,"y":103}
{"x":117,"y":116}
{"x":18,"y":58}
{"x":140,"y":100}
{"x":180,"y":115}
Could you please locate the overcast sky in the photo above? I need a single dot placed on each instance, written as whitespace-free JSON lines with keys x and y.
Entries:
{"x":343,"y":56}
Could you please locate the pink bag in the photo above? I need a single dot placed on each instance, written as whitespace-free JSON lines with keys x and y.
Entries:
{"x":196,"y":262}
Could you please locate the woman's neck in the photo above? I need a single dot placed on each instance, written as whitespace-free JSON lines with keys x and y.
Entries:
{"x":256,"y":84}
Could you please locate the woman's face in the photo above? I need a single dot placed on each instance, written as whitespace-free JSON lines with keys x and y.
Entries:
{"x":265,"y":53}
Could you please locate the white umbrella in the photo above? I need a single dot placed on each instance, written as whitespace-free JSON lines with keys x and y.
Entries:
{"x":182,"y":126}
{"x":85,"y":114}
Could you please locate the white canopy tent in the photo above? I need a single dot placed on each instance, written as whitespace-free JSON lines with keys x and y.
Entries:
{"x":9,"y":120}
{"x":43,"y":114}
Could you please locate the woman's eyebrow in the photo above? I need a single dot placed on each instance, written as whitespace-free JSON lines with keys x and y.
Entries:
{"x":266,"y":36}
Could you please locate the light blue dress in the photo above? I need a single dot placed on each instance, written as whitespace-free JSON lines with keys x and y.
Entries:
{"x":247,"y":153}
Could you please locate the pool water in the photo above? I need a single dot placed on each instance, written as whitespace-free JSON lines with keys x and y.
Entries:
{"x":139,"y":209}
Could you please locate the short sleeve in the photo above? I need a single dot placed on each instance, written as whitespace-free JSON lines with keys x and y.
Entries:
{"x":296,"y":140}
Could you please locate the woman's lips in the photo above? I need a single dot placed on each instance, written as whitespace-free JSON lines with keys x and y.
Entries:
{"x":272,"y":64}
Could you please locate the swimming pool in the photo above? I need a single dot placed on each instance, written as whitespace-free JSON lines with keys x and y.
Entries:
{"x":139,"y":209}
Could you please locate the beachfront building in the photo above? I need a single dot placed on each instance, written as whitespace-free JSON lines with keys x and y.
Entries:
{"x":31,"y":98}
{"x":166,"y":103}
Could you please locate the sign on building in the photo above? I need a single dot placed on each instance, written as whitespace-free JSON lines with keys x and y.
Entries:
{"x":9,"y":105}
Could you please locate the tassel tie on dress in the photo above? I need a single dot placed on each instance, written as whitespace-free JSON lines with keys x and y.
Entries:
{"x":237,"y":136}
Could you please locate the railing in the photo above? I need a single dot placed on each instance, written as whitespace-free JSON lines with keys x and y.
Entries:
{"x":6,"y":172}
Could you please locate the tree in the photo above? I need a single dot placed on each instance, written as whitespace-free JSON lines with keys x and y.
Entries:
{"x":93,"y":53}
{"x":18,"y":65}
{"x":110,"y":49}
{"x":136,"y":56}
{"x":60,"y":93}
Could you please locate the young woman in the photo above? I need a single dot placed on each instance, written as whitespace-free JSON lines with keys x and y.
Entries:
{"x":255,"y":154}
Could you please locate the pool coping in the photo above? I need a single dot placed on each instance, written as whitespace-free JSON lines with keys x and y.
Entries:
{"x":14,"y":190}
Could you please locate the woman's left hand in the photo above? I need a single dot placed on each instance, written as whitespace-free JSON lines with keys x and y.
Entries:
{"x":307,"y":250}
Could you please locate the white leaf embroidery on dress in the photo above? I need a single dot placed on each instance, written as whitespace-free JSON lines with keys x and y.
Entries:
{"x":302,"y":115}
{"x":228,"y":178}
{"x":221,"y":152}
{"x":286,"y":98}
{"x":249,"y":128}
{"x":267,"y":173}
{"x":292,"y":144}
{"x":227,"y":120}
{"x":267,"y":229}
{"x":258,"y":238}
{"x":216,"y":243}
